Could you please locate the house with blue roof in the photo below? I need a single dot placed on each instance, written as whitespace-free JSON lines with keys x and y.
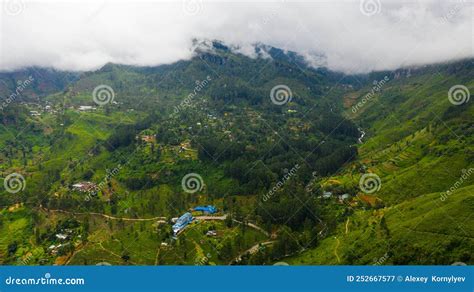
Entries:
{"x":209,"y":209}
{"x":182,"y":222}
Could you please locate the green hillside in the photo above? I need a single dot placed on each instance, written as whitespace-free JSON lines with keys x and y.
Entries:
{"x":420,"y":231}
{"x":285,"y":178}
{"x":420,"y":146}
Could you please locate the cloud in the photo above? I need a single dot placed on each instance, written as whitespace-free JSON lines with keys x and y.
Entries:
{"x":354,"y":36}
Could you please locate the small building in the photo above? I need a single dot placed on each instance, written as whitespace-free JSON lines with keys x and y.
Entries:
{"x":182,"y":222}
{"x":85,"y":108}
{"x":148,"y":138}
{"x":61,"y":236}
{"x":211,"y":233}
{"x":327,"y":195}
{"x":84,"y":187}
{"x":35,"y":113}
{"x":209,"y":209}
{"x":344,"y":196}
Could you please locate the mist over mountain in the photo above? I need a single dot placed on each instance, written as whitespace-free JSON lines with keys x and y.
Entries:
{"x":354,"y":36}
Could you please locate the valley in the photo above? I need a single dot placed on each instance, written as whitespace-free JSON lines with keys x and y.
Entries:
{"x":304,"y":165}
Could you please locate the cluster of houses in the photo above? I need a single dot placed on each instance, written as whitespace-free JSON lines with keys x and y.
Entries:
{"x":341,"y":198}
{"x":40,"y":109}
{"x":62,"y":236}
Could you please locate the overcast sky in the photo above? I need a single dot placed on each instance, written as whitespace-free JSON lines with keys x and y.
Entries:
{"x":354,"y":36}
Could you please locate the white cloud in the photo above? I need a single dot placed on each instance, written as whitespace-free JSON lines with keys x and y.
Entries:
{"x":84,"y":35}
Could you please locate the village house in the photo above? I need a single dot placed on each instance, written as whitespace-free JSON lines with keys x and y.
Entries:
{"x":84,"y":186}
{"x":85,"y":108}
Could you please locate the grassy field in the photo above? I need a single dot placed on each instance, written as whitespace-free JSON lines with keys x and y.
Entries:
{"x":424,"y":230}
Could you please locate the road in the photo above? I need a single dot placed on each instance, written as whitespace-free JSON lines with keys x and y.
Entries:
{"x":335,"y":250}
{"x":158,"y":219}
{"x":254,"y":249}
{"x":253,"y":226}
{"x":222,"y":218}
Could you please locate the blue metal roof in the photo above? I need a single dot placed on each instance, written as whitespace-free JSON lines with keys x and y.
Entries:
{"x":206,"y":209}
{"x":182,"y":222}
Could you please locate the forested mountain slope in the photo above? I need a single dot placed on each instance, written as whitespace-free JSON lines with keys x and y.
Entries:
{"x":418,"y":144}
{"x":277,"y":146}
